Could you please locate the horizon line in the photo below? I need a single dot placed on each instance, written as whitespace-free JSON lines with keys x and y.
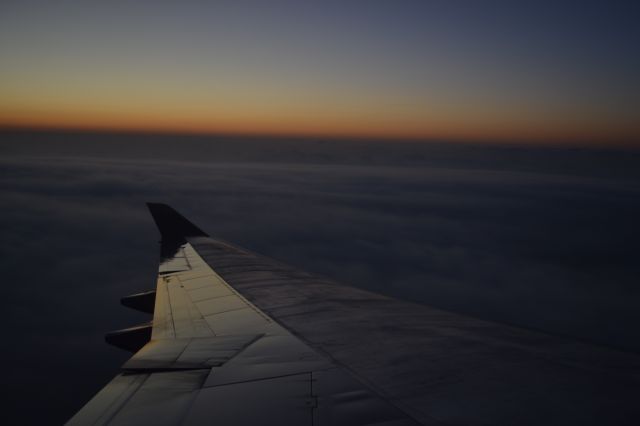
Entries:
{"x":575,"y":142}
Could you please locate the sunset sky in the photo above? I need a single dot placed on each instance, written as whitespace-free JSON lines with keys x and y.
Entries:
{"x":496,"y":70}
{"x":480,"y":157}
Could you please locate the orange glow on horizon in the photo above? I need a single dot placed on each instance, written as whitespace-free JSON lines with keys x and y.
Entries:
{"x":300,"y":127}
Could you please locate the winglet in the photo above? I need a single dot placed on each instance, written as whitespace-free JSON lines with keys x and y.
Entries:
{"x":172,"y":225}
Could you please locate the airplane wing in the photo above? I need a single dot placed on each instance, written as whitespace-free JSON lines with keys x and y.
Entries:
{"x":240,"y":339}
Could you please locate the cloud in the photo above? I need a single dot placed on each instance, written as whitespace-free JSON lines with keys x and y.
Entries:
{"x":520,"y":245}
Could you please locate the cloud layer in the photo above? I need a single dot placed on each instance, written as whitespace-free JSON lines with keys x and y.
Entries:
{"x":557,"y":252}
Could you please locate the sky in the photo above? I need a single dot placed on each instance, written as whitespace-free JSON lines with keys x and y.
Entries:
{"x":546,"y":71}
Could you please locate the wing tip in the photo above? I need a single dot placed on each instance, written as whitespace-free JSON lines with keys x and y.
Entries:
{"x":171,"y":224}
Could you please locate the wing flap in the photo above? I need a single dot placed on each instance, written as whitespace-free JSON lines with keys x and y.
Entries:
{"x":106,"y":403}
{"x":163,"y":399}
{"x":189,"y":353}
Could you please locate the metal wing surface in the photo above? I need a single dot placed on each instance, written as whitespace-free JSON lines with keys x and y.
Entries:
{"x":210,"y":356}
{"x":240,"y":339}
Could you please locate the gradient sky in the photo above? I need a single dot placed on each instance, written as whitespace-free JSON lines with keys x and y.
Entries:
{"x":543,"y":70}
